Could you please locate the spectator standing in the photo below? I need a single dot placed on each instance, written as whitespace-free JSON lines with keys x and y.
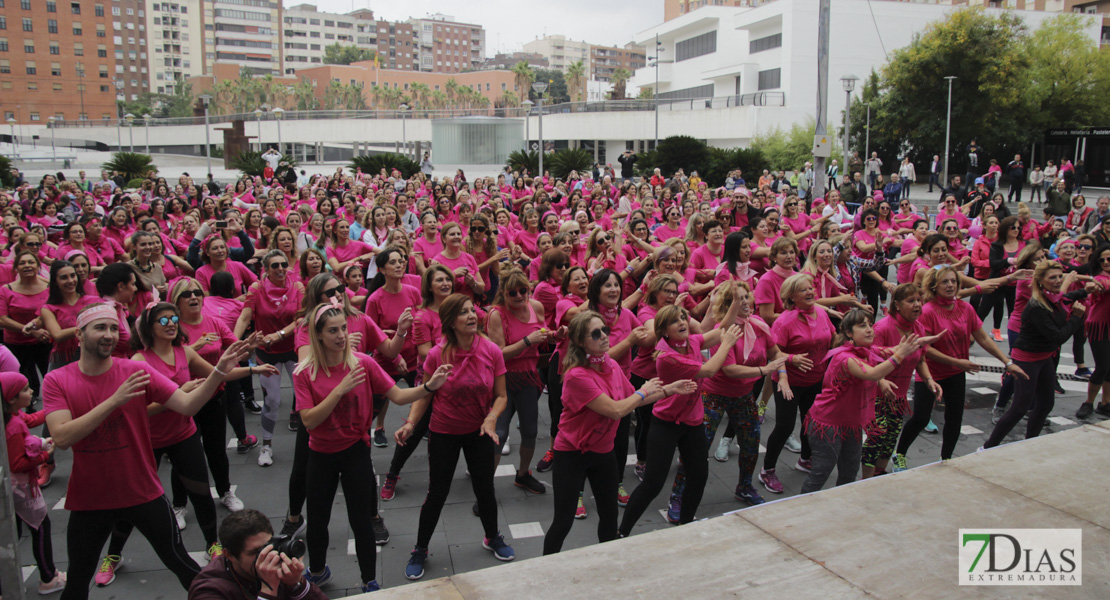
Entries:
{"x":1016,"y":170}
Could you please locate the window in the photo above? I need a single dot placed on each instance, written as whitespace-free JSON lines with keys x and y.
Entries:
{"x":51,"y":7}
{"x":5,"y":66}
{"x":32,"y":85}
{"x":57,"y":87}
{"x":104,"y":71}
{"x":770,"y":79}
{"x":31,"y":70}
{"x":101,"y":31}
{"x":27,"y":26}
{"x":3,"y":44}
{"x":77,"y":29}
{"x":29,"y":46}
{"x":3,"y":22}
{"x":56,"y":69}
{"x":25,"y":4}
{"x":116,"y":11}
{"x":98,"y":10}
{"x":52,"y":26}
{"x":78,"y":49}
{"x":75,"y":7}
{"x":701,"y":91}
{"x":696,"y":46}
{"x":102,"y":51}
{"x":765,"y":43}
{"x":6,"y":85}
{"x":55,"y":49}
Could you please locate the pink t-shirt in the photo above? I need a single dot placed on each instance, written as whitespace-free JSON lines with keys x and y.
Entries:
{"x":808,"y":334}
{"x":703,"y":259}
{"x":385,"y":308}
{"x":22,"y":308}
{"x":621,"y":322}
{"x":548,"y":295}
{"x":909,"y":246}
{"x":428,"y":249}
{"x":66,"y":316}
{"x":684,"y":409}
{"x":226,"y":310}
{"x":112,"y":466}
{"x":732,"y":387}
{"x":211,"y":351}
{"x":514,"y":330}
{"x":768,"y":290}
{"x":274,"y":308}
{"x":580,"y":428}
{"x":462,"y":404}
{"x":846,"y":404}
{"x":463,"y":260}
{"x":426,"y":327}
{"x":664,"y":233}
{"x":352,"y":418}
{"x":243,"y":276}
{"x":888,"y":336}
{"x":643,"y":363}
{"x":960,"y":321}
{"x":800,"y":224}
{"x":349,"y":251}
{"x":168,"y":427}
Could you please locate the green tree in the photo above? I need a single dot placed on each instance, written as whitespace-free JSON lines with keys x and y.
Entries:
{"x":523,"y":76}
{"x":556,"y":86}
{"x":576,"y":80}
{"x":620,"y":78}
{"x":1068,"y":76}
{"x":791,"y":149}
{"x":304,"y":95}
{"x":340,"y":54}
{"x":180,"y":103}
{"x":646,"y":93}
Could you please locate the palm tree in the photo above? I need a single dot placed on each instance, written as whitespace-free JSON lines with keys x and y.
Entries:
{"x":353,"y":97}
{"x":420,"y":92}
{"x":508,"y":99}
{"x":304,"y":95}
{"x":576,"y":72}
{"x":452,"y":88}
{"x":523,"y":77}
{"x":437,"y":100}
{"x":620,"y":79}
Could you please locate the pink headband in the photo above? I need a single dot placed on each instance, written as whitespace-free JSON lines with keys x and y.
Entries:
{"x":94,"y":313}
{"x":325,"y":307}
{"x":73,"y":253}
{"x":11,"y":384}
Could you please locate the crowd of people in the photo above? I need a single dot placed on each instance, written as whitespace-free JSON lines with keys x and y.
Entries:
{"x":649,"y":312}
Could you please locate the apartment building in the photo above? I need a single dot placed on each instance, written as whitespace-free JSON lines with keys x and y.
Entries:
{"x":509,"y":60}
{"x":605,"y":60}
{"x":176,"y":43}
{"x":491,"y":84}
{"x":448,"y":46}
{"x":560,"y":52}
{"x":246,"y":33}
{"x":57,"y":59}
{"x":308,"y":32}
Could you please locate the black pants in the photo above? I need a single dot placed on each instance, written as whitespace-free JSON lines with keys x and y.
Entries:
{"x":188,"y":466}
{"x":43,"y":548}
{"x":350,"y":468}
{"x":1078,"y":342}
{"x":33,"y":359}
{"x":401,"y":453}
{"x":1015,"y":189}
{"x":1036,"y":393}
{"x":443,"y":455}
{"x":1100,"y":350}
{"x":298,"y":475}
{"x":870,"y":289}
{"x":569,"y":474}
{"x":554,"y":393}
{"x":993,"y":301}
{"x":786,"y":414}
{"x":643,"y":422}
{"x":211,"y":424}
{"x":663,"y":438}
{"x":233,"y":406}
{"x":89,"y":529}
{"x":954,"y":388}
{"x":620,"y":446}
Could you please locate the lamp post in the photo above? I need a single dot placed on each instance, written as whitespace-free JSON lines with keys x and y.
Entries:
{"x":540,"y":87}
{"x":146,"y":126}
{"x":849,"y":82}
{"x":527,"y":104}
{"x":131,"y":129}
{"x":81,"y":89}
{"x":53,"y":149}
{"x":258,"y":119}
{"x":655,"y":93}
{"x":867,"y":139}
{"x":119,"y":118}
{"x":206,"y":99}
{"x":404,"y":108}
{"x":279,"y":112}
{"x":948,"y":129}
{"x":15,"y":149}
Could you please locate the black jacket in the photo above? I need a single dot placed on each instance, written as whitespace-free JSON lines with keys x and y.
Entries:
{"x":626,"y":164}
{"x":1045,"y":329}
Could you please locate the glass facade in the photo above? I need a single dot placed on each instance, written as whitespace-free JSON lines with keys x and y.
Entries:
{"x":475,"y":140}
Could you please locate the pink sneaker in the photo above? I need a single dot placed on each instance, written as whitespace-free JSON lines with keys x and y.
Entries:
{"x":770,"y":481}
{"x":107,"y":573}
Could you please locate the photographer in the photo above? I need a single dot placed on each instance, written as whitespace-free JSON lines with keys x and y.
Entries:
{"x":249,"y":568}
{"x":627,"y":160}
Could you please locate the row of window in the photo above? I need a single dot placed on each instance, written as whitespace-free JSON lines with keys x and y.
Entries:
{"x":765,"y":43}
{"x":52,"y":27}
{"x":7,"y":85}
{"x":55,"y":68}
{"x":51,"y":6}
{"x":699,"y":45}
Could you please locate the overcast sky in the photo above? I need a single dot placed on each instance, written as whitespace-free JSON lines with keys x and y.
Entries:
{"x":511,"y":23}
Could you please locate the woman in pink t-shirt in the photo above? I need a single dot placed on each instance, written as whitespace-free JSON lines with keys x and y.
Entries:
{"x":597,"y":397}
{"x":468,"y":279}
{"x":390,"y":306}
{"x":20,"y":303}
{"x":343,"y":251}
{"x":464,"y":420}
{"x":215,"y":255}
{"x":672,"y":227}
{"x":428,"y":244}
{"x":335,"y":388}
{"x":59,"y":314}
{"x":768,"y":299}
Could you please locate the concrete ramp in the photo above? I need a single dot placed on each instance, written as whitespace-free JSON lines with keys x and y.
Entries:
{"x":895,"y":536}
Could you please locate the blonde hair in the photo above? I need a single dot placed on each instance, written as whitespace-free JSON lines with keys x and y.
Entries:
{"x":314,"y":361}
{"x":577,"y":331}
{"x":656,"y":286}
{"x":726,"y":295}
{"x":933,"y":277}
{"x":1039,"y":275}
{"x":791,"y":287}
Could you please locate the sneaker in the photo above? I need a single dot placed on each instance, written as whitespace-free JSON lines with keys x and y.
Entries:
{"x":294,"y":421}
{"x":389,"y":488}
{"x":931,"y":427}
{"x":293,"y":529}
{"x":231,"y":501}
{"x":371,"y":586}
{"x":639,"y":470}
{"x":253,"y":407}
{"x":1059,"y":389}
{"x":996,"y":335}
{"x":108,"y":568}
{"x":529,"y":483}
{"x":770,"y":481}
{"x":501,"y":550}
{"x":545,"y":463}
{"x":1083,"y":373}
{"x":214,"y":551}
{"x":722,"y":450}
{"x":674,"y":509}
{"x":246,"y":444}
{"x":179,"y":514}
{"x":899,"y":462}
{"x":580,"y":512}
{"x":1103,"y":409}
{"x":380,"y":440}
{"x":996,"y":414}
{"x":747,"y":493}
{"x":622,"y":496}
{"x":266,"y":456}
{"x":415,"y":569}
{"x":381,"y":534}
{"x":474,"y":509}
{"x":318,"y":579}
{"x":46,"y":474}
{"x":979,"y":449}
{"x":793,"y":445}
{"x":54,"y":585}
{"x":805,"y":466}
{"x":506,"y":449}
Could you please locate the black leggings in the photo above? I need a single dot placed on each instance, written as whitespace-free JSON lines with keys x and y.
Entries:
{"x":954,"y":388}
{"x":663,"y":438}
{"x":554,"y":394}
{"x":211,"y":424}
{"x":443,"y":455}
{"x":569,"y":474}
{"x":43,"y":548}
{"x":89,"y":529}
{"x":994,"y":300}
{"x":33,"y":359}
{"x":352,"y":469}
{"x":1078,"y":340}
{"x":187,"y":458}
{"x":620,"y":446}
{"x":786,"y":414}
{"x":1036,"y":393}
{"x":298,"y":475}
{"x":401,"y":453}
{"x":1100,"y":349}
{"x":643,"y":422}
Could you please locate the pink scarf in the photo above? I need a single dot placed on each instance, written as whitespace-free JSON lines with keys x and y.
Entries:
{"x":903,"y":323}
{"x":273,"y":293}
{"x":782,"y":272}
{"x":749,"y":326}
{"x":822,"y":278}
{"x":944,"y":302}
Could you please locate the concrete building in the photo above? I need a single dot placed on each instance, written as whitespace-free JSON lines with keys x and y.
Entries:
{"x":448,"y":46}
{"x":676,"y":8}
{"x":57,"y":59}
{"x":560,"y":52}
{"x":508,"y":61}
{"x":176,"y":44}
{"x":605,"y":60}
{"x":132,"y":61}
{"x":308,"y":33}
{"x":246,"y":33}
{"x":491,"y":84}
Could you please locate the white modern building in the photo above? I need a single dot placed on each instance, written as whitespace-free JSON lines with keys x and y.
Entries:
{"x":766,"y":57}
{"x":560,"y":52}
{"x":176,"y":45}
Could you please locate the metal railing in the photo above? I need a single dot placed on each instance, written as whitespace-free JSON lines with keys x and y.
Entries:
{"x":756,"y":99}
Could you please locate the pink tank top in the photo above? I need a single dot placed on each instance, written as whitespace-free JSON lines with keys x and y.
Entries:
{"x":514,"y":331}
{"x":168,"y":427}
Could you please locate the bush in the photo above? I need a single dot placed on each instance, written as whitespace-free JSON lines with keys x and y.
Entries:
{"x":374,"y":163}
{"x":135,"y":184}
{"x":523,"y":161}
{"x":132,"y":165}
{"x":252,"y":164}
{"x":6,"y":178}
{"x":561,"y":163}
{"x":646,"y":162}
{"x":681,"y":152}
{"x":723,"y":160}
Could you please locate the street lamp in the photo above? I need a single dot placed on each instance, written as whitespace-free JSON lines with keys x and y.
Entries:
{"x":118,"y":83}
{"x":404,"y":134}
{"x":540,"y":87}
{"x":258,"y":119}
{"x":867,"y":139}
{"x":146,"y":126}
{"x":655,"y":94}
{"x":527,"y":104}
{"x":131,"y":129}
{"x":206,"y":99}
{"x":948,"y":129}
{"x":279,"y":112}
{"x":15,"y":149}
{"x":53,"y":149}
{"x":849,"y":82}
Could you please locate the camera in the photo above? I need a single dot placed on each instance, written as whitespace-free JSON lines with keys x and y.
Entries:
{"x":291,"y":546}
{"x":221,"y":224}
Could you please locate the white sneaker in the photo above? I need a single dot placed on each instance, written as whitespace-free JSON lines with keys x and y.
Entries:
{"x":722,"y":449}
{"x":506,"y":450}
{"x":793,"y":445}
{"x":179,"y":514}
{"x":266,"y":456}
{"x":231,"y":501}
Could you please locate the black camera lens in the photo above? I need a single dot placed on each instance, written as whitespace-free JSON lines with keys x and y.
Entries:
{"x":289,"y":545}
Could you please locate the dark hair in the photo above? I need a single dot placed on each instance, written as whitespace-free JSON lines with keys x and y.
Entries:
{"x":856,"y":316}
{"x":143,"y":334}
{"x":381,"y":260}
{"x":69,"y":228}
{"x":931,"y":240}
{"x":113,"y":275}
{"x":869,"y":212}
{"x":222,"y":284}
{"x":917,"y":222}
{"x":54,"y":294}
{"x":708,"y":226}
{"x":731,"y":255}
{"x":238,"y":526}
{"x":1004,"y":226}
{"x":593,"y":295}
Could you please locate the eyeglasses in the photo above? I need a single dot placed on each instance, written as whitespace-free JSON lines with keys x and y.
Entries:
{"x":951,"y":228}
{"x":191,"y":294}
{"x":164,"y":321}
{"x":1085,"y":247}
{"x":867,"y":219}
{"x":1103,"y":259}
{"x":949,"y":201}
{"x":597,"y":333}
{"x":279,"y":265}
{"x":517,"y":292}
{"x":602,"y":239}
{"x":903,"y":205}
{"x":671,"y":291}
{"x":33,"y":244}
{"x":791,"y":205}
{"x":339,"y":289}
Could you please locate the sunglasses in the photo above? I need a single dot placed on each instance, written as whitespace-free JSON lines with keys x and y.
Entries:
{"x":478,"y":228}
{"x":1103,"y":259}
{"x":191,"y":294}
{"x":597,"y":333}
{"x":869,"y":219}
{"x":279,"y":265}
{"x":562,"y":266}
{"x":950,"y":228}
{"x":33,"y":244}
{"x":1085,"y":247}
{"x":903,"y":205}
{"x":602,"y":239}
{"x":164,"y":321}
{"x":340,"y":289}
{"x":517,"y":292}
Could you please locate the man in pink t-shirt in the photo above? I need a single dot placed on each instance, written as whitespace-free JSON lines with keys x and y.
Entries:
{"x":98,"y":407}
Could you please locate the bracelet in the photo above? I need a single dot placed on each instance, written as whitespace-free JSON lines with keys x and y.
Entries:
{"x":527,"y":342}
{"x":643,"y":398}
{"x":629,"y":268}
{"x":428,"y":389}
{"x":761,"y":372}
{"x":782,"y":371}
{"x":410,"y":422}
{"x":789,"y":359}
{"x":218,"y":371}
{"x":894,"y":359}
{"x":978,"y":289}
